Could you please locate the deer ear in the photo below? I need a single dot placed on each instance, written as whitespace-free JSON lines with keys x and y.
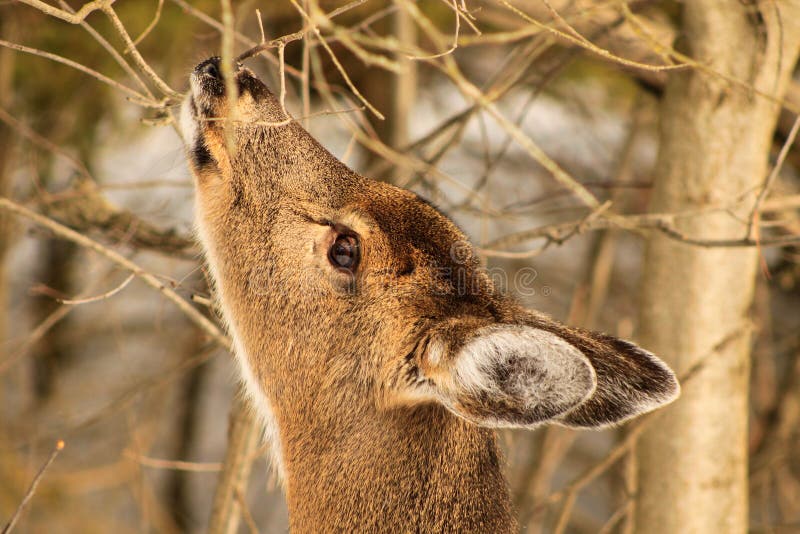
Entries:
{"x":630,"y":380}
{"x":524,"y":375}
{"x":511,"y":376}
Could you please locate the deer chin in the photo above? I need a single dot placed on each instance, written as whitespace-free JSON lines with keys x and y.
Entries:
{"x":190,"y":128}
{"x":206,"y":153}
{"x":187,"y":120}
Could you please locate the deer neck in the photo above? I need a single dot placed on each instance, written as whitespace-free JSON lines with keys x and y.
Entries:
{"x":402,"y":470}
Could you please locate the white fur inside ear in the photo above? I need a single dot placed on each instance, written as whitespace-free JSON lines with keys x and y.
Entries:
{"x":534,"y":367}
{"x":436,"y":350}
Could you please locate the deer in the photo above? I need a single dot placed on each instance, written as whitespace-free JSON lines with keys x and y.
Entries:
{"x":380,"y":362}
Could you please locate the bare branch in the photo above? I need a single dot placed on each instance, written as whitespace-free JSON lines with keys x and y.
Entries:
{"x":336,"y":62}
{"x":575,"y":37}
{"x":32,"y":489}
{"x":102,"y":296}
{"x":42,"y":142}
{"x":752,"y":223}
{"x":77,"y":18}
{"x":664,"y":223}
{"x":150,"y":26}
{"x":243,"y":435}
{"x":520,"y":137}
{"x":180,"y":465}
{"x":72,"y":18}
{"x":227,"y":68}
{"x":248,"y":517}
{"x":455,"y":38}
{"x":111,"y":50}
{"x":195,"y":316}
{"x":75,"y":65}
{"x":134,"y":52}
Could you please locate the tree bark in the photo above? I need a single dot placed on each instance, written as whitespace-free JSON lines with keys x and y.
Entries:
{"x":394,"y":94}
{"x":6,"y":148}
{"x":244,"y":431}
{"x":715,"y":143}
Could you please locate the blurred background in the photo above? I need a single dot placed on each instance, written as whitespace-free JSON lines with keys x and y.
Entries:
{"x":547,"y":130}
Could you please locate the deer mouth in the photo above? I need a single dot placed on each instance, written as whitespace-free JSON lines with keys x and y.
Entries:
{"x":206,"y":100}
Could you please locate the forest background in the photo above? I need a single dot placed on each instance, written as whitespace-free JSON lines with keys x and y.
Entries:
{"x":626,"y":166}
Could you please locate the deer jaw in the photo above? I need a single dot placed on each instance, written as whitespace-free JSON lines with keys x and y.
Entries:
{"x":380,"y":357}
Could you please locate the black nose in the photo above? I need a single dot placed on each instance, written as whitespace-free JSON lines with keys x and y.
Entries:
{"x":210,"y":68}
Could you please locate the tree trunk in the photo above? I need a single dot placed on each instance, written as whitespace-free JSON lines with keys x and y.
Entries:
{"x":715,"y":143}
{"x":6,"y":148}
{"x":244,"y":433}
{"x":393,"y":94}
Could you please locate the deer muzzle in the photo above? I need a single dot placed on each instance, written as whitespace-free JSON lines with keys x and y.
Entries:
{"x":206,"y":110}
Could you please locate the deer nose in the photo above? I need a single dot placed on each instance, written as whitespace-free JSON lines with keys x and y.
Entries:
{"x":209,"y":68}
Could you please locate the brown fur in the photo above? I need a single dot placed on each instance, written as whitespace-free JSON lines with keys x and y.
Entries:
{"x":378,"y":427}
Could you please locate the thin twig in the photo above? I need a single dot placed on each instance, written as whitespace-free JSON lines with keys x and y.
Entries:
{"x":248,"y":517}
{"x":83,"y":68}
{"x":102,"y":296}
{"x":106,"y":7}
{"x":32,"y":489}
{"x":566,"y":511}
{"x":455,"y":38}
{"x":305,"y":70}
{"x":531,"y":30}
{"x":616,"y":517}
{"x":111,"y":50}
{"x":140,"y":389}
{"x":227,"y":67}
{"x":26,"y":132}
{"x":150,"y":26}
{"x":707,"y":69}
{"x":243,"y":435}
{"x":351,"y":40}
{"x":178,"y":465}
{"x":240,"y":38}
{"x":201,"y":300}
{"x":72,"y":18}
{"x":280,"y":42}
{"x":664,"y":223}
{"x":264,"y":45}
{"x":260,"y":26}
{"x":575,"y":37}
{"x":752,"y":224}
{"x":36,"y":334}
{"x":475,"y":94}
{"x":137,"y":57}
{"x":336,"y":62}
{"x":282,"y":76}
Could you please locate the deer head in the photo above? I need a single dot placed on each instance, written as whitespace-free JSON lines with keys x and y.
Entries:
{"x":367,"y":333}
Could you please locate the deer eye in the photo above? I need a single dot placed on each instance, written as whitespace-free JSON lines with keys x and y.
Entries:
{"x":343,"y":253}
